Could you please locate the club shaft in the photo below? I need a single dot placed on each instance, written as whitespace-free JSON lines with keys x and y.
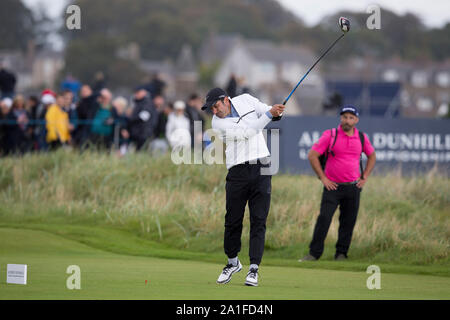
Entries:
{"x":329,"y":48}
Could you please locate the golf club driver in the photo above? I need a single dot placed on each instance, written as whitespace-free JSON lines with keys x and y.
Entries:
{"x":344,"y":24}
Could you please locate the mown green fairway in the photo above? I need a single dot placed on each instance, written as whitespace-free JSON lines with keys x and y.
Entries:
{"x":106,"y":275}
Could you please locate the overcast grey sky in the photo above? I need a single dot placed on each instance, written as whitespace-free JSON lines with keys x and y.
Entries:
{"x":434,"y":13}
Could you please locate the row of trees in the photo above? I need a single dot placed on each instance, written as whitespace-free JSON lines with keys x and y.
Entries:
{"x":19,"y":25}
{"x":162,"y":27}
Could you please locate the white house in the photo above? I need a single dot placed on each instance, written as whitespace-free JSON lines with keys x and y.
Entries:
{"x":272,"y":71}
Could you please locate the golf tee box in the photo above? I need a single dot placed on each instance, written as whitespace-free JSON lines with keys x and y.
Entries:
{"x":16,"y":273}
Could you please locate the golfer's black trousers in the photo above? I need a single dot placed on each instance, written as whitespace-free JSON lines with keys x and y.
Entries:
{"x":245,"y":183}
{"x":347,"y":198}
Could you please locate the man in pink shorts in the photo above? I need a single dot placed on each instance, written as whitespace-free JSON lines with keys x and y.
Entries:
{"x":343,"y":180}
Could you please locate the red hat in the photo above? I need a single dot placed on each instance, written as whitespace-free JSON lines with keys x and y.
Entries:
{"x":48,"y":91}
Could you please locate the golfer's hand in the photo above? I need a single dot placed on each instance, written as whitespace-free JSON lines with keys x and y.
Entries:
{"x":328,"y":184}
{"x":277,"y":110}
{"x":361,"y":183}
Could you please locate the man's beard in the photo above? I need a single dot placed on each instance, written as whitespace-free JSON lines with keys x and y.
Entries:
{"x":346,"y":127}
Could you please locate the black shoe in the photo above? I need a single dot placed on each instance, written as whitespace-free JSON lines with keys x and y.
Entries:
{"x":340,"y":257}
{"x":308,"y":257}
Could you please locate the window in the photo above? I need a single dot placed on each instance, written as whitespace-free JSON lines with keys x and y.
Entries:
{"x":391,"y":75}
{"x":442,"y":110}
{"x":419,"y":79}
{"x":425,"y":104}
{"x":443,"y":79}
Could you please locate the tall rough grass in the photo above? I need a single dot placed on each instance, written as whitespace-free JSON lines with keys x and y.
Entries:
{"x":404,"y":219}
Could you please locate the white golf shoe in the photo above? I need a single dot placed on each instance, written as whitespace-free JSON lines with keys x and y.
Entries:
{"x":252,"y":278}
{"x":228,"y":272}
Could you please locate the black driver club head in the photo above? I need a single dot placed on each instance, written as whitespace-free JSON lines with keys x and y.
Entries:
{"x":344,"y":24}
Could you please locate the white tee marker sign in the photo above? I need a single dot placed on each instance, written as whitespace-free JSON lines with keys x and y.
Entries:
{"x":16,"y":273}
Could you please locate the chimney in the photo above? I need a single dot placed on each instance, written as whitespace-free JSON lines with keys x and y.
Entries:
{"x":30,"y":54}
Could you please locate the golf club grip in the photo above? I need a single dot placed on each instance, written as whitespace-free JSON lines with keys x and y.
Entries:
{"x":279,"y":117}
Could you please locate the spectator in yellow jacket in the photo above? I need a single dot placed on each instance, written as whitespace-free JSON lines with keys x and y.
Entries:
{"x":57,"y":119}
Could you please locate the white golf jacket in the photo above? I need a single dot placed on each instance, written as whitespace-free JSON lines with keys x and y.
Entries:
{"x":243,"y":136}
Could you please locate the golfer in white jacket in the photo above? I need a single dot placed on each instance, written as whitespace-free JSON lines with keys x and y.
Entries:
{"x":239,"y":122}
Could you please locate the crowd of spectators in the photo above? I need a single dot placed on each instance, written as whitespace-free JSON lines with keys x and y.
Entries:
{"x":90,"y":116}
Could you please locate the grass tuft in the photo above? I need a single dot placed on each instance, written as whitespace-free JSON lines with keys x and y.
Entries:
{"x":401,"y":219}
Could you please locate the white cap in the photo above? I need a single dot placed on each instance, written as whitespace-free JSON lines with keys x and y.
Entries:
{"x":7,"y":102}
{"x":48,"y":99}
{"x":179,"y":105}
{"x":120,"y":102}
